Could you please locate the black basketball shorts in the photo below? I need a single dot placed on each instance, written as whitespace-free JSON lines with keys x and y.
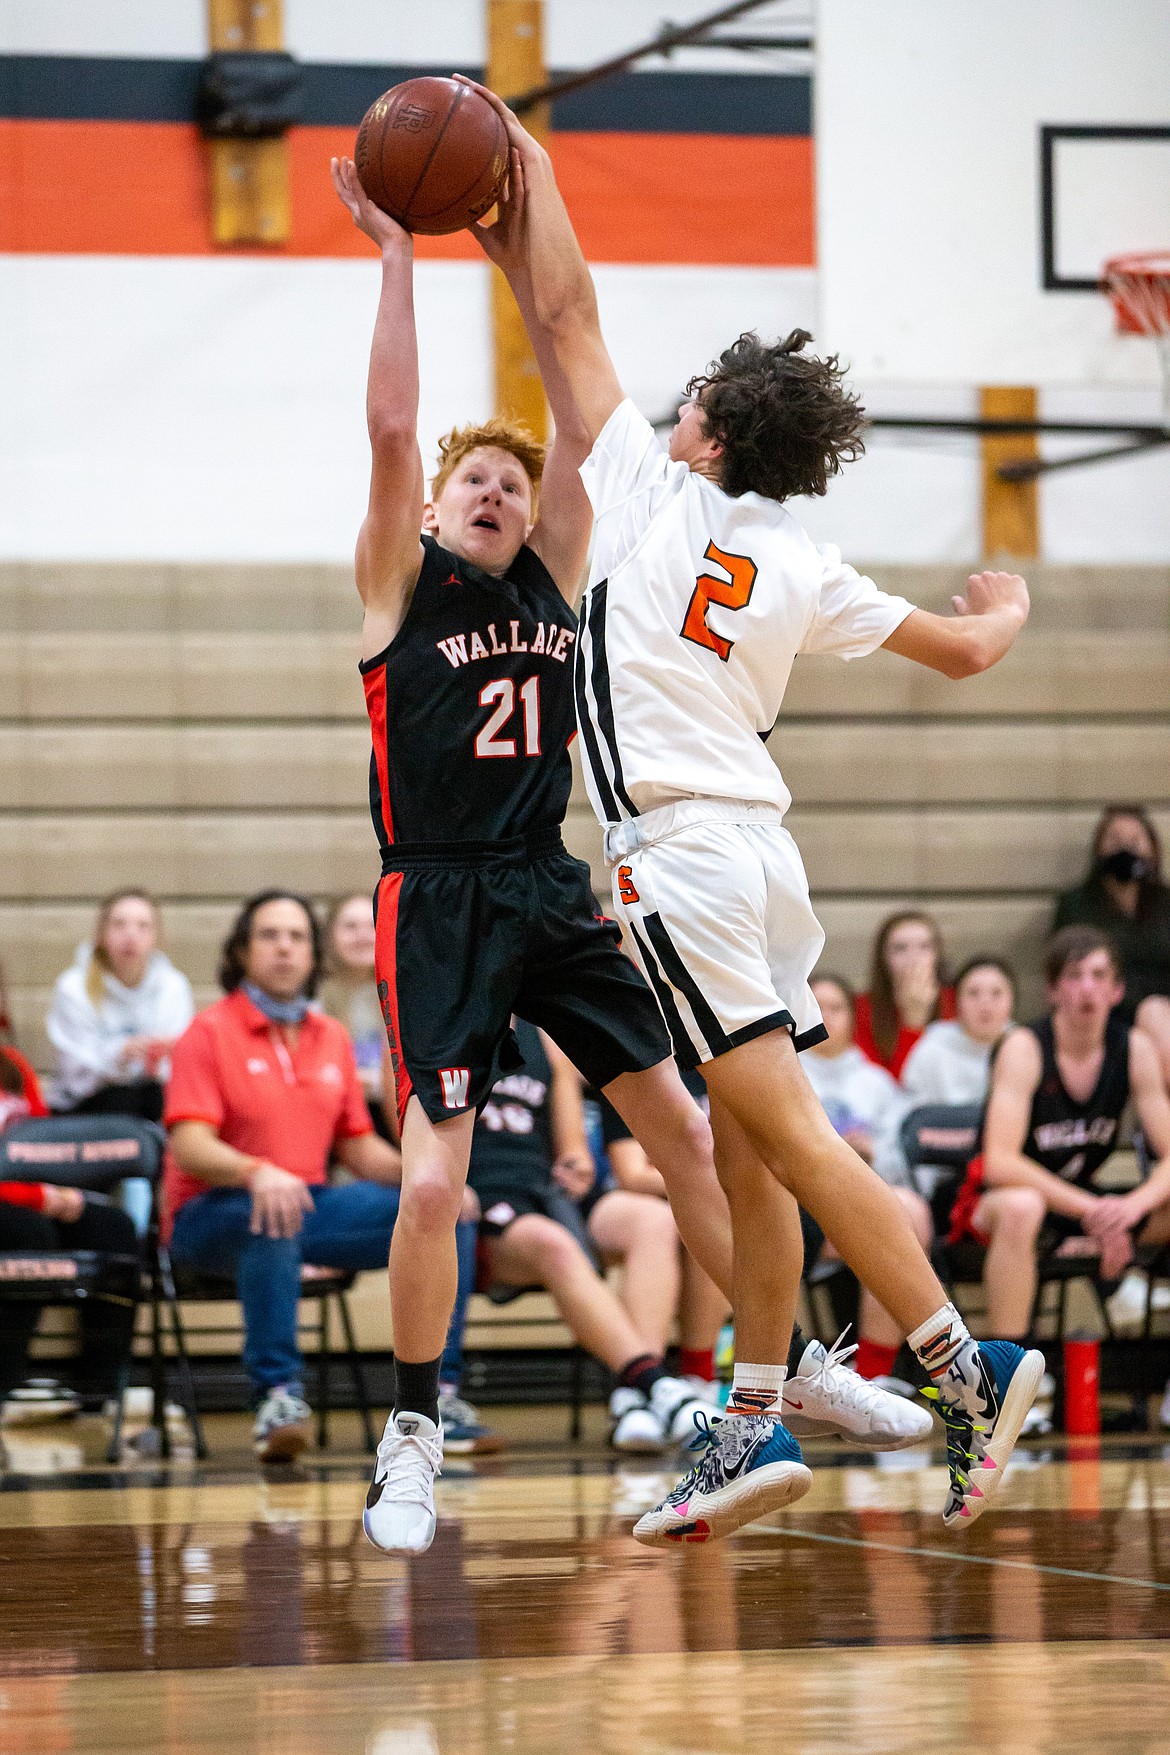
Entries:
{"x":470,"y":933}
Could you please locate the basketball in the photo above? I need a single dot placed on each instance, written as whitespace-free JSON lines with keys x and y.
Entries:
{"x":432,"y":154}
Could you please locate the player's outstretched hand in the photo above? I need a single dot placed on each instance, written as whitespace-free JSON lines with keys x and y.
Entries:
{"x":518,"y":135}
{"x":502,"y":242}
{"x":368,"y":218}
{"x":994,"y":591}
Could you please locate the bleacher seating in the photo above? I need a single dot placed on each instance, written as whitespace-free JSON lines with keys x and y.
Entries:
{"x":200,"y":730}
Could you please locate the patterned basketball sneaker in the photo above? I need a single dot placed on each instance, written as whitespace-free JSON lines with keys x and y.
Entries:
{"x":748,"y":1465}
{"x":983,"y":1396}
{"x":400,"y":1506}
{"x":826,"y":1399}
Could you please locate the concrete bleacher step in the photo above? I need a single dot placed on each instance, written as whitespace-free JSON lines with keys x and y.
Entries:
{"x":323,"y":765}
{"x":299,"y":675}
{"x":144,"y":597}
{"x":83,"y":854}
{"x":267,"y":676}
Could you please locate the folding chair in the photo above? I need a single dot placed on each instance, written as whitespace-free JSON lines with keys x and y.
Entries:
{"x":319,"y":1283}
{"x":97,"y":1153}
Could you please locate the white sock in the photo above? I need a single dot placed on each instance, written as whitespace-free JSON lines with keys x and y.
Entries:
{"x":939,"y":1340}
{"x":756,"y":1388}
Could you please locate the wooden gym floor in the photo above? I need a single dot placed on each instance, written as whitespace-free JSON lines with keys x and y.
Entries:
{"x":186,"y":1609}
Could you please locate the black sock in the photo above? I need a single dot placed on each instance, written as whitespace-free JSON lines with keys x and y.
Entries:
{"x":796,"y":1350}
{"x":642,"y":1373}
{"x":416,"y":1388}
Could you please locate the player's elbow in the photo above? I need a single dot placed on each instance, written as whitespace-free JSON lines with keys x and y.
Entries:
{"x":393,"y":439}
{"x":967,"y":655}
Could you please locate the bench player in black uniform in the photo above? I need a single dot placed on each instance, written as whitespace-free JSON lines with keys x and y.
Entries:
{"x":1058,"y":1091}
{"x":468,"y":645}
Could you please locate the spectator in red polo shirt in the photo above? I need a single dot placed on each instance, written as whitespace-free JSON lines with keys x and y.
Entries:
{"x":263,"y":1095}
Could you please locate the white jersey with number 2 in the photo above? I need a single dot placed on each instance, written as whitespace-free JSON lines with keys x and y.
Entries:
{"x":697,"y":605}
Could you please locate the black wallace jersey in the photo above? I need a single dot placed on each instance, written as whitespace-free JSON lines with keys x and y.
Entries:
{"x":1073,"y":1139}
{"x":471,"y":706}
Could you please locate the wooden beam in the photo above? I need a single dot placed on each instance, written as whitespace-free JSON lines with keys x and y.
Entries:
{"x":250,"y":201}
{"x":1011,"y":514}
{"x":515,"y":39}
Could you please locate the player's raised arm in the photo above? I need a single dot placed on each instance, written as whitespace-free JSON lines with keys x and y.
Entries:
{"x":389,"y":552}
{"x":561,"y":533}
{"x":562,"y":287}
{"x":983,"y":628}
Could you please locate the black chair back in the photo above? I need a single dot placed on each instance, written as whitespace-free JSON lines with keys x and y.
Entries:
{"x":94,"y":1152}
{"x":946,"y":1135}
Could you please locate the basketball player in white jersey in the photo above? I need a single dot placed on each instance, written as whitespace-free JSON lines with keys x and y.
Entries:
{"x":703,"y":590}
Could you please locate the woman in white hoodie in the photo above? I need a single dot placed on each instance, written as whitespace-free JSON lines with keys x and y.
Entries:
{"x":116,"y":1014}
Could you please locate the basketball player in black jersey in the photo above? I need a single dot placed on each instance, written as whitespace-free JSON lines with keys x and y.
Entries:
{"x":467,"y":652}
{"x":1058,"y":1090}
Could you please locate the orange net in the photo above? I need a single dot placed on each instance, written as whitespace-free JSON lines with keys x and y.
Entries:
{"x":1139,"y":289}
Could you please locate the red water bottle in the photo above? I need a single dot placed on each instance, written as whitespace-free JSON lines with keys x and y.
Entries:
{"x":1082,"y":1382}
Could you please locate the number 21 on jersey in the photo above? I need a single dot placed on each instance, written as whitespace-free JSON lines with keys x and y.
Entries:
{"x":501,"y":696}
{"x":733,"y":593}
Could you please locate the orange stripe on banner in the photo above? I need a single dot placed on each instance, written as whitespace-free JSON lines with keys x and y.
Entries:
{"x":706,"y":198}
{"x":141,"y":188}
{"x":104,"y":188}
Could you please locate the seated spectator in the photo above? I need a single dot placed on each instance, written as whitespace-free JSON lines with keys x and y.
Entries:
{"x":907,"y":989}
{"x":263,"y":1094}
{"x":1058,"y":1090}
{"x":116,"y":1015}
{"x":1123,"y":894}
{"x":43,"y":1217}
{"x":349,"y":993}
{"x":530,"y":1166}
{"x":951,"y":1061}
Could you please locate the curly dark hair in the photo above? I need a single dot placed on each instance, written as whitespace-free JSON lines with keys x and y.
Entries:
{"x":784,"y":418}
{"x":231,"y":957}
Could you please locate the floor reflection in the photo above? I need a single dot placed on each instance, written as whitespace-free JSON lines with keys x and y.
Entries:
{"x":289,"y":1589}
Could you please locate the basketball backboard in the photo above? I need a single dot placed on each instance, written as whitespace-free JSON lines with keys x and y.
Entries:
{"x":975,"y":168}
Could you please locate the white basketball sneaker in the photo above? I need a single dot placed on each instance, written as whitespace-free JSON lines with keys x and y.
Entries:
{"x":826,"y":1398}
{"x":636,"y":1428}
{"x":675,"y":1403}
{"x":400,"y":1506}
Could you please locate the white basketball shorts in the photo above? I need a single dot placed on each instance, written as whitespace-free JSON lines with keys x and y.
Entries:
{"x":713,"y":899}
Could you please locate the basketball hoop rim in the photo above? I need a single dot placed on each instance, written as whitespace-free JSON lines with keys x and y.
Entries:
{"x":1137,"y":285}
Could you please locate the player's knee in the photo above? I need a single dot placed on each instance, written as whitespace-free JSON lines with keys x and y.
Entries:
{"x":429,"y":1203}
{"x":693,"y":1135}
{"x":1020,"y":1211}
{"x":559,"y":1250}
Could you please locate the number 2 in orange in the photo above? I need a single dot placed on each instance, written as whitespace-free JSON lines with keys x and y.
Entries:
{"x":730,"y":594}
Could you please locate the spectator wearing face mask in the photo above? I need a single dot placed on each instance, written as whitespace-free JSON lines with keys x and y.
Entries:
{"x":1123,"y":895}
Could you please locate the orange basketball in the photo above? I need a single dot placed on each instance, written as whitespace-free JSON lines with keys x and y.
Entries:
{"x":432,"y":154}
